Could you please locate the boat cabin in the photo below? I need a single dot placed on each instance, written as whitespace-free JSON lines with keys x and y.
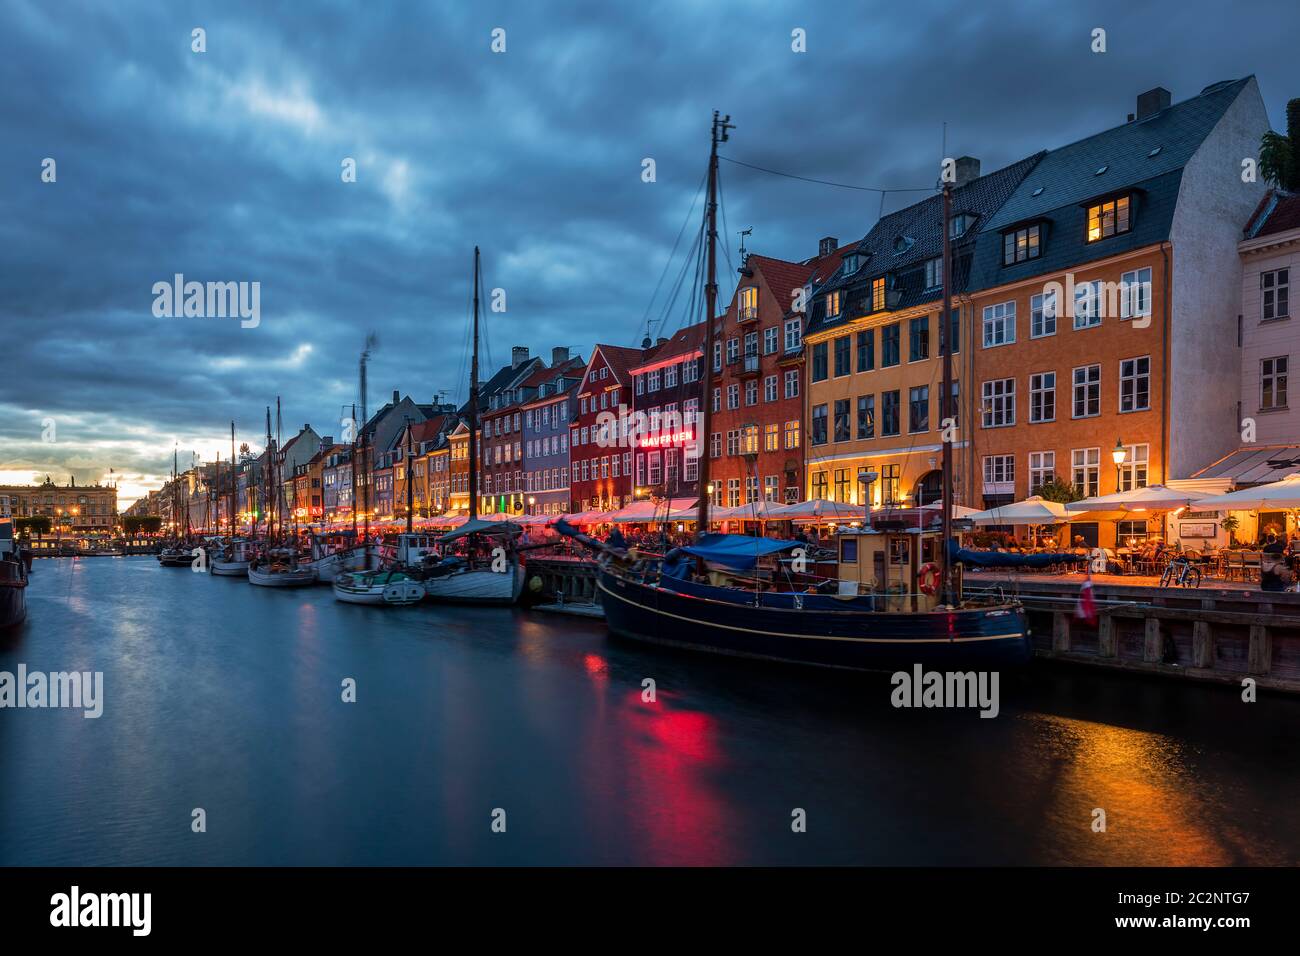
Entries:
{"x":902,"y":565}
{"x":412,"y":549}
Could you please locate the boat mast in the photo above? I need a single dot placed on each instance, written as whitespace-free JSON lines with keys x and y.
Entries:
{"x":232,"y":479}
{"x":719,"y":135}
{"x":946,"y":402}
{"x":269,"y":504}
{"x":409,"y":504}
{"x":473,"y":405}
{"x":353,"y":466}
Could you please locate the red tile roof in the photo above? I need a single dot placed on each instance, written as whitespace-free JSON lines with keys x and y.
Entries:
{"x":1284,"y":215}
{"x":684,"y":342}
{"x":621,"y":360}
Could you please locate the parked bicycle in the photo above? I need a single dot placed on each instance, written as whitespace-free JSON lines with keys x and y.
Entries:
{"x":1181,"y":573}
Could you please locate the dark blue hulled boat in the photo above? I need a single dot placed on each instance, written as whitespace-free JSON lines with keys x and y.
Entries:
{"x":753,"y":615}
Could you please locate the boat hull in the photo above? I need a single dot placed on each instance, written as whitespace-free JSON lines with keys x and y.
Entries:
{"x":230,"y":569}
{"x":477,"y":587}
{"x":980,"y":638}
{"x":13,"y":594}
{"x":303,"y":577}
{"x":395,"y":594}
{"x":332,"y":565}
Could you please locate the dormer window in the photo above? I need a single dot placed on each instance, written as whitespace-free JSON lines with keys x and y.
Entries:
{"x":834,"y":301}
{"x":878,"y":294}
{"x":903,"y":243}
{"x":1021,"y":245}
{"x":1109,"y":218}
{"x":934,"y":272}
{"x":747,"y":304}
{"x":958,"y":224}
{"x":851,"y":265}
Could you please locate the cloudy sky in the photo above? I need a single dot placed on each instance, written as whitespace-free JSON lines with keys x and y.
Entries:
{"x":226,"y":165}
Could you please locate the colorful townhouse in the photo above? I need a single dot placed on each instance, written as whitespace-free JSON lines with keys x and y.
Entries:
{"x":1103,"y":302}
{"x":458,"y":493}
{"x":546,"y":418}
{"x":874,"y":412}
{"x":756,"y":448}
{"x":664,"y":410}
{"x":600,"y":466}
{"x":413,"y":445}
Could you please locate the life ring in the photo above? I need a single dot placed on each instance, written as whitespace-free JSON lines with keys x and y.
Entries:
{"x":927,"y":578}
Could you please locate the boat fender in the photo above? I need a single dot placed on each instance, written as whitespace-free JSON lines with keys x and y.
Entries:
{"x":927,"y":578}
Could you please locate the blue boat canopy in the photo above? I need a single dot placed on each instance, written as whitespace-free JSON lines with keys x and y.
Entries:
{"x":739,"y":551}
{"x":1009,"y":559}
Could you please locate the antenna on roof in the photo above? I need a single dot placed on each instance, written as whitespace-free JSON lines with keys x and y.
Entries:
{"x":744,"y":253}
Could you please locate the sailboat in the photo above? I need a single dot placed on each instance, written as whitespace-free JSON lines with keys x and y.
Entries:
{"x":14,"y":569}
{"x":176,"y":555}
{"x":277,"y":566}
{"x":489,"y":569}
{"x":234,"y":558}
{"x":747,"y":596}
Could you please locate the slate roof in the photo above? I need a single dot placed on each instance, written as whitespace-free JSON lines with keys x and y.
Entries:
{"x":901,"y":242}
{"x":1142,"y":157}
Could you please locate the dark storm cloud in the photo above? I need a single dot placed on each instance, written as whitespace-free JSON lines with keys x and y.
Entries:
{"x":225,"y":165}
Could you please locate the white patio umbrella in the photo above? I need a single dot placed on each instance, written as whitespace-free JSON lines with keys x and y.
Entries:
{"x":819,"y":509}
{"x":1281,"y":495}
{"x":1150,"y":498}
{"x":958,"y":511}
{"x":647,"y":511}
{"x":1034,"y":510}
{"x":755,"y":511}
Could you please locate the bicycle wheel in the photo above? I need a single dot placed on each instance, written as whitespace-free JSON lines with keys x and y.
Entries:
{"x":1167,"y":576}
{"x":1193,"y":578}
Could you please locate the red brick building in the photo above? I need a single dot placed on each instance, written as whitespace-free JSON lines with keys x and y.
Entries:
{"x":600,"y":460}
{"x":757,"y":433}
{"x":665,"y":403}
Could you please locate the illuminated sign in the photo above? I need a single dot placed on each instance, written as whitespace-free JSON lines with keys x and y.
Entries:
{"x":667,"y":438}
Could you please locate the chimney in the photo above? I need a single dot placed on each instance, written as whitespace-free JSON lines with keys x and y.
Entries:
{"x":827,"y":246}
{"x":397,"y":396}
{"x":661,"y":341}
{"x":968,"y":169}
{"x":559,"y":355}
{"x":1152,"y":102}
{"x":518,"y":355}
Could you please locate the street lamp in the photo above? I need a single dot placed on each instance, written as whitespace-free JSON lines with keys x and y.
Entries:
{"x":1118,"y":455}
{"x":532,"y":500}
{"x":866,"y":479}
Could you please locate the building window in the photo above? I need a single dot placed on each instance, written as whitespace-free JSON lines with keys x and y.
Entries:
{"x":1108,"y":218}
{"x":771,"y":337}
{"x":749,"y":440}
{"x":769,"y":389}
{"x":747,"y":307}
{"x":889,"y":423}
{"x":1020,"y":245}
{"x":819,"y":485}
{"x":771,"y":488}
{"x":820,"y":368}
{"x":952,"y":410}
{"x":793,"y":334}
{"x":1275,"y":288}
{"x":1086,"y":470}
{"x":842,"y":485}
{"x":772,"y":437}
{"x":999,"y":404}
{"x":670,"y":376}
{"x":733,"y":351}
{"x":733,"y":492}
{"x":999,"y":324}
{"x":792,"y":383}
{"x":1042,"y":315}
{"x":918,"y":337}
{"x":733,"y":395}
{"x":819,"y":425}
{"x":878,"y":295}
{"x":1042,"y":469}
{"x":842,"y":356}
{"x":751,"y":488}
{"x":842,"y":419}
{"x":792,"y":433}
{"x":1087,"y":391}
{"x":715,"y":445}
{"x":1135,"y":294}
{"x":717,"y":398}
{"x":751,"y":343}
{"x":934,"y":272}
{"x":1088,"y":302}
{"x":833,"y":302}
{"x":1135,"y":384}
{"x":1042,"y":397}
{"x":751,"y":392}
{"x":1133,"y":473}
{"x":918,"y":405}
{"x":1272,"y":382}
{"x":717,"y":356}
{"x":999,"y":470}
{"x":866,"y":350}
{"x":733,"y":441}
{"x":866,"y":416}
{"x":890,"y":352}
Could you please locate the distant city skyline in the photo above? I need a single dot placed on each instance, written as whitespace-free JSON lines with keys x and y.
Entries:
{"x":229,"y":166}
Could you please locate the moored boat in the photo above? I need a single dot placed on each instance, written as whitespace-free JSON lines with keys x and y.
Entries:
{"x":233,"y":560}
{"x":377,"y":587}
{"x":489,"y":572}
{"x":280,"y":571}
{"x":14,"y":570}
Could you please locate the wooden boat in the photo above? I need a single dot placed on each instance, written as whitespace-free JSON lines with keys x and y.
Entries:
{"x":233,"y":560}
{"x":176,"y":556}
{"x":280,"y":573}
{"x":377,"y":587}
{"x":332,"y":555}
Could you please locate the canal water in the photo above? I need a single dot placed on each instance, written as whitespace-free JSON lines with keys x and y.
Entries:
{"x":228,"y":698}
